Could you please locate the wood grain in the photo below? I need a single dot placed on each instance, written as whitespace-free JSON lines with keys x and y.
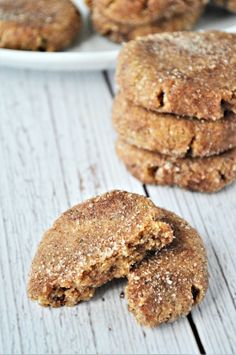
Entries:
{"x":56,"y":149}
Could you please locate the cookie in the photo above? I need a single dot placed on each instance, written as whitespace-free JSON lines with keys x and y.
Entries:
{"x":198,"y":174}
{"x":92,"y":243}
{"x":185,"y":73}
{"x":38,"y":25}
{"x":170,"y":134}
{"x":139,"y":12}
{"x":89,"y":3}
{"x":118,"y":32}
{"x":168,"y":284}
{"x":227,"y":4}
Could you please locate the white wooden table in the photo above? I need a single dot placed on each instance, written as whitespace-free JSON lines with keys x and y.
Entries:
{"x":56,"y":149}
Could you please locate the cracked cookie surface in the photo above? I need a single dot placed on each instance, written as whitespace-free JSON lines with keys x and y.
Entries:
{"x":38,"y":25}
{"x":170,"y":134}
{"x":198,"y":174}
{"x":92,"y":243}
{"x":186,"y":73}
{"x":168,"y":284}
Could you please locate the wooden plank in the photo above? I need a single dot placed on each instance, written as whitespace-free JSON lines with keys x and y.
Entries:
{"x":32,"y":195}
{"x":57,"y":148}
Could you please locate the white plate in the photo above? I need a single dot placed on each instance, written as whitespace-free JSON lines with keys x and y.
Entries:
{"x":93,"y":52}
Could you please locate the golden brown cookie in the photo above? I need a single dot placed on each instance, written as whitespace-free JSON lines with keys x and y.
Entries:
{"x":198,"y":174}
{"x":227,"y":4}
{"x":92,"y":243}
{"x":118,"y":32}
{"x":167,"y":285}
{"x":89,"y":3}
{"x":172,"y":135}
{"x":38,"y":25}
{"x":185,"y":73}
{"x":140,"y":12}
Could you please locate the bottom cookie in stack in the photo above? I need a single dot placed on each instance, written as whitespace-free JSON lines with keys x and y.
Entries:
{"x":208,"y":174}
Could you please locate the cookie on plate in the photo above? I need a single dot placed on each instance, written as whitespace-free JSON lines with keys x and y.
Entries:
{"x":186,"y":73}
{"x":198,"y":174}
{"x":38,"y":25}
{"x":140,"y":12}
{"x":120,"y":32}
{"x":92,"y":243}
{"x":167,"y":285}
{"x":170,"y":134}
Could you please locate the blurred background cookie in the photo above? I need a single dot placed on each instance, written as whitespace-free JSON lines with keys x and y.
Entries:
{"x":38,"y":25}
{"x":125,"y":20}
{"x":227,"y":4}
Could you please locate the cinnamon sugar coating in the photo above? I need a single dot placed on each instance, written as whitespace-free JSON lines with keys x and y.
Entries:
{"x":170,"y":134}
{"x":185,"y":73}
{"x":198,"y":174}
{"x":167,"y":285}
{"x":92,"y":243}
{"x":38,"y":25}
{"x":120,"y":32}
{"x":227,"y":4}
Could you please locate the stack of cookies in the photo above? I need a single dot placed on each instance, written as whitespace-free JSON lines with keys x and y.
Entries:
{"x":123,"y":20}
{"x":176,"y":110}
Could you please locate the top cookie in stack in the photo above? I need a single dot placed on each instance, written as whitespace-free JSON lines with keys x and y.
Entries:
{"x":176,"y":110}
{"x":123,"y":20}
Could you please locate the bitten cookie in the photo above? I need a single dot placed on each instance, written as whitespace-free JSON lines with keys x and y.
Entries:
{"x":167,"y":285}
{"x":227,"y":4}
{"x":198,"y":174}
{"x":92,"y":243}
{"x":119,"y":32}
{"x":38,"y":25}
{"x":170,"y":134}
{"x":185,"y":73}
